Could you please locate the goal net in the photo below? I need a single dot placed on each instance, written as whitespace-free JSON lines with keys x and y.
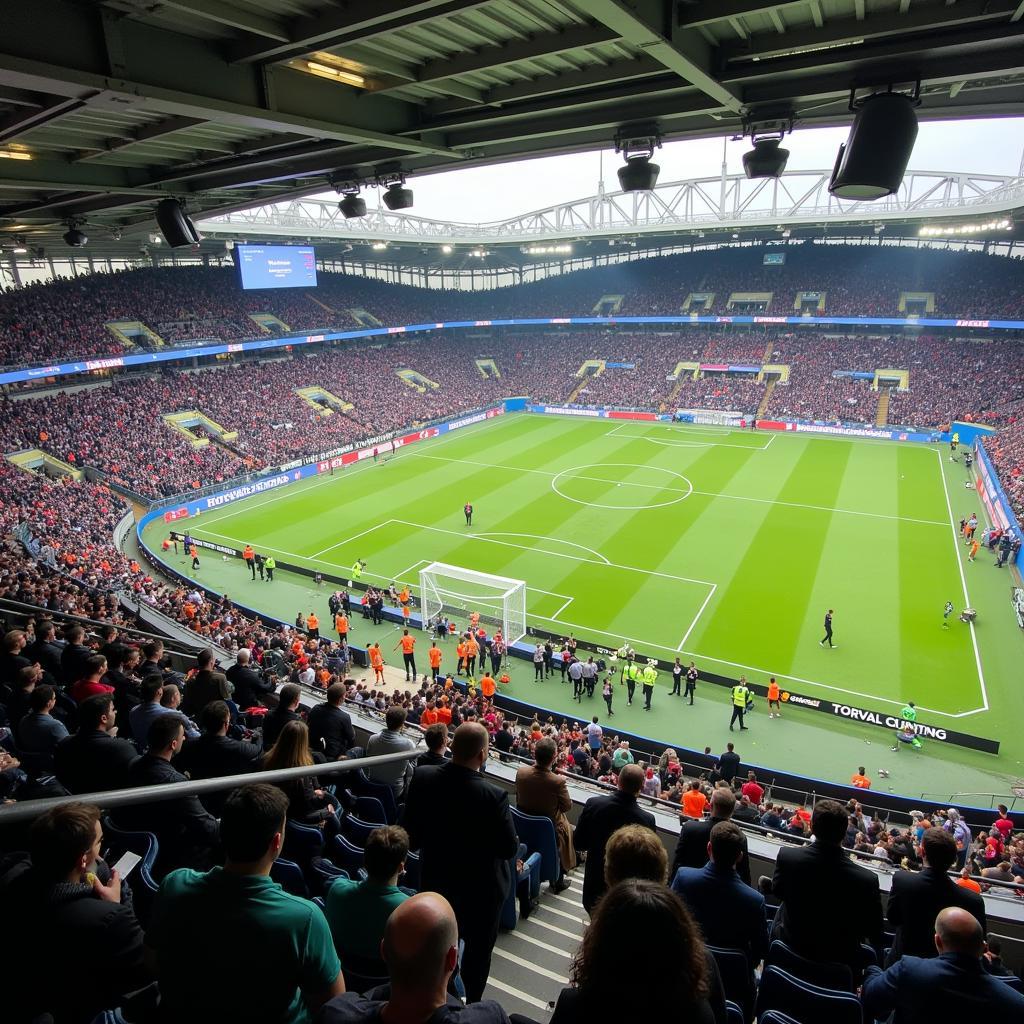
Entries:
{"x":456,"y":592}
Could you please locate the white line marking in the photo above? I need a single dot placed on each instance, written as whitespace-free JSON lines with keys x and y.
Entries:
{"x":706,"y":494}
{"x":520,"y":934}
{"x":412,"y":568}
{"x":536,"y":968}
{"x":562,"y":609}
{"x":510,"y":991}
{"x":683,"y":492}
{"x":347,"y":540}
{"x":700,"y":612}
{"x":963,"y":581}
{"x":554,"y":540}
{"x":700,"y":444}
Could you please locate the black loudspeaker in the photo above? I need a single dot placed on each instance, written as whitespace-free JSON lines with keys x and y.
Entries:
{"x":175,"y":225}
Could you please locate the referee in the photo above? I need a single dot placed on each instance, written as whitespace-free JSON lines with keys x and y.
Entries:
{"x":828,"y":630}
{"x":740,"y":692}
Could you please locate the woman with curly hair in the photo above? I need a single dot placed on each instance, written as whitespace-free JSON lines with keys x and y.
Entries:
{"x":607,"y":985}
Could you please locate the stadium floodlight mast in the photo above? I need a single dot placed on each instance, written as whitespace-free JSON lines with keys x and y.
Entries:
{"x":873,"y":160}
{"x":457,"y":592}
{"x":638,"y":174}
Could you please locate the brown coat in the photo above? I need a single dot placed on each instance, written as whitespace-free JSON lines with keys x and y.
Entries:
{"x":544,"y":793}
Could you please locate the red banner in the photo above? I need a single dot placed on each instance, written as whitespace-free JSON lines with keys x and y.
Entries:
{"x":175,"y":513}
{"x":614,"y":414}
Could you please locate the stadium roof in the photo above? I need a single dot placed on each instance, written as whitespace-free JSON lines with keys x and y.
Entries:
{"x":231,"y":103}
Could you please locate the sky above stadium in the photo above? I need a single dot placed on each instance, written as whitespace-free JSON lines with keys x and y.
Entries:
{"x":506,"y":190}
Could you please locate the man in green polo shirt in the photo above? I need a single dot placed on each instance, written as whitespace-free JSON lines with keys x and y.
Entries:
{"x":358,"y":911}
{"x":212,"y":930}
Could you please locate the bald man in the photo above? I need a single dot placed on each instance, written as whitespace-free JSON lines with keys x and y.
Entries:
{"x":954,"y":986}
{"x":420,"y":947}
{"x":462,"y":826}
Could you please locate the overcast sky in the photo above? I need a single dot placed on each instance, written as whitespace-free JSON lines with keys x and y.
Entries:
{"x":506,"y":190}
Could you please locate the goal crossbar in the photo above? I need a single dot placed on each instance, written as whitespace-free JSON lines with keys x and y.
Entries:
{"x":458,"y":593}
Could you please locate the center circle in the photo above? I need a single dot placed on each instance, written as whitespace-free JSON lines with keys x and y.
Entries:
{"x":581,"y":473}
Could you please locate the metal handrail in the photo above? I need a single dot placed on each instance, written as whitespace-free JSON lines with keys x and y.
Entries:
{"x":199,"y":787}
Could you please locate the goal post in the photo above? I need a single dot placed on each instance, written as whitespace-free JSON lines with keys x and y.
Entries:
{"x":457,"y":592}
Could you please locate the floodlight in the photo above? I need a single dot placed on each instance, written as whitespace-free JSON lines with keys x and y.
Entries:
{"x":352,"y":205}
{"x":638,"y":174}
{"x":75,"y":238}
{"x":397,"y":197}
{"x":766,"y":159}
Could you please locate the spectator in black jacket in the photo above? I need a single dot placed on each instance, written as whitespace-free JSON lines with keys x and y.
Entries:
{"x":46,"y":651}
{"x":917,"y":897}
{"x":600,"y":817}
{"x":94,"y":760}
{"x":12,"y":658}
{"x":729,"y":763}
{"x":330,"y":726}
{"x":39,"y":732}
{"x":215,"y":754}
{"x":287,"y":710}
{"x":121,"y":663}
{"x":206,"y":685}
{"x":20,"y":693}
{"x":79,"y":947}
{"x":249,"y":684}
{"x":187,"y":832}
{"x":694,"y":836}
{"x":436,"y":739}
{"x":74,"y":659}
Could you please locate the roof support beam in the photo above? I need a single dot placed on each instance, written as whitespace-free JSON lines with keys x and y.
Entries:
{"x":707,"y":12}
{"x":351,"y":23}
{"x":517,"y":50}
{"x":686,"y":53}
{"x":24,"y":120}
{"x":153,"y":131}
{"x":231,"y":17}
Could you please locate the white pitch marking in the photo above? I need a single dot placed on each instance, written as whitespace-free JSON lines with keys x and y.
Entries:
{"x":684,"y":493}
{"x":700,"y":612}
{"x":347,"y":540}
{"x":562,"y":609}
{"x":963,"y":581}
{"x":534,"y":536}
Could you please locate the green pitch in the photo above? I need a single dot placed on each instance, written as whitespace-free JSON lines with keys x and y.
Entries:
{"x":724,"y":546}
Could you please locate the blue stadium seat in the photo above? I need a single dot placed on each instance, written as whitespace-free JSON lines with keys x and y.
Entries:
{"x":827,"y":975}
{"x":357,"y":831}
{"x":369,"y":808}
{"x":733,"y":1013}
{"x":302,"y":843}
{"x":539,"y":836}
{"x":780,"y":990}
{"x":774,"y":1017}
{"x":289,"y":876}
{"x":342,"y":853}
{"x":146,"y":846}
{"x":319,"y":901}
{"x":1012,"y":980}
{"x":363,"y":786}
{"x":737,"y":978}
{"x":531,"y":871}
{"x":322,"y":875}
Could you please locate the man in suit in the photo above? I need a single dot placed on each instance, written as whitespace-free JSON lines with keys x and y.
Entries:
{"x":206,"y":685}
{"x":46,"y":651}
{"x":600,"y":817}
{"x":330,"y":726}
{"x":729,"y":912}
{"x":436,"y":739}
{"x":540,"y":790}
{"x":956,"y":977}
{"x":729,"y":763}
{"x":917,"y":897}
{"x":75,"y":656}
{"x":695,"y":835}
{"x":215,"y":754}
{"x":94,"y":760}
{"x":829,"y":904}
{"x":250,"y":686}
{"x":462,"y":826}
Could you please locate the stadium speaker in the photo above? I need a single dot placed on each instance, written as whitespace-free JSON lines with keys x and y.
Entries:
{"x":175,"y":224}
{"x":638,"y":174}
{"x":352,"y":206}
{"x":872,"y":161}
{"x":765,"y":160}
{"x":75,"y":238}
{"x":398,"y":197}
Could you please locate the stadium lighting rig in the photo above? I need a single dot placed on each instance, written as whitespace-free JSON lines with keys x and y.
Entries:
{"x":947,"y":230}
{"x":767,"y":159}
{"x":546,"y":250}
{"x":396,"y":195}
{"x":638,"y":174}
{"x":74,"y":236}
{"x":871,"y":163}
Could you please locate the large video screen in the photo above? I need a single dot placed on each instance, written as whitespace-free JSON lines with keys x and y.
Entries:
{"x":276,"y":266}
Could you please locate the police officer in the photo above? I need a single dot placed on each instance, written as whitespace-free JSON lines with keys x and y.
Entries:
{"x":632,"y":670}
{"x":270,"y":565}
{"x":650,"y":676}
{"x":740,"y":693}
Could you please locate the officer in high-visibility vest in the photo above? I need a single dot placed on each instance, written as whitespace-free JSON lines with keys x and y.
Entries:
{"x":270,"y":565}
{"x":740,"y":694}
{"x":650,"y":676}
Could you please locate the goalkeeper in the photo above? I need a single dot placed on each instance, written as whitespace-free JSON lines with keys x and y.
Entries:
{"x":906,"y":733}
{"x":357,"y":569}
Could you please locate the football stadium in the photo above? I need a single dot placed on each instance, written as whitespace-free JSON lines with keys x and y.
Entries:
{"x":399,"y":534}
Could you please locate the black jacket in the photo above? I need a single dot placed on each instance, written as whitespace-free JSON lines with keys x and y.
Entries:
{"x":275,"y":722}
{"x":48,"y":655}
{"x":729,"y":765}
{"x":330,"y":730}
{"x":915,"y":901}
{"x":11,"y":665}
{"x":600,"y":817}
{"x":692,"y":848}
{"x":186,"y":830}
{"x":211,"y":757}
{"x":75,"y":955}
{"x":249,"y":686}
{"x":92,"y":761}
{"x":829,"y":904}
{"x":462,"y":826}
{"x":205,"y":686}
{"x":73,"y":663}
